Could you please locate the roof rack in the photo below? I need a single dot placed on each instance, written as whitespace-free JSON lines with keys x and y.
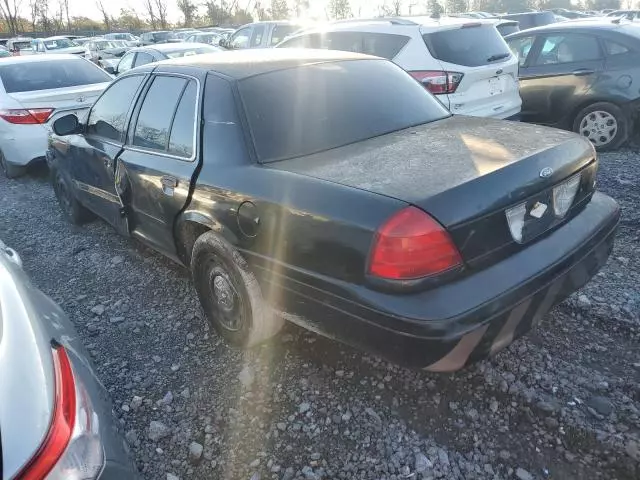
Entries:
{"x":392,"y":20}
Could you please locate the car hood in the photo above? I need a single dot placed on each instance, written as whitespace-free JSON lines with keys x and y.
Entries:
{"x":479,"y":164}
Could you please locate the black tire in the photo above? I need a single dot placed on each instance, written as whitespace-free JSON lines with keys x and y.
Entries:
{"x":9,"y":170}
{"x":71,"y":208}
{"x":622,"y":124}
{"x":229,"y":293}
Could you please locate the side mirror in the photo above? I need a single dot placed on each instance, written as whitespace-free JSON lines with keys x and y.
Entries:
{"x":110,"y":70}
{"x":67,"y":125}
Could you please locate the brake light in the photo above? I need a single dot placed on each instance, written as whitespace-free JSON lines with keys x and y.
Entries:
{"x":438,"y":82}
{"x":32,"y":116}
{"x":64,"y":414}
{"x":72,"y":446}
{"x":412,"y":245}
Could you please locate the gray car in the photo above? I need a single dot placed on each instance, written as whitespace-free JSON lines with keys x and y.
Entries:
{"x":55,"y":416}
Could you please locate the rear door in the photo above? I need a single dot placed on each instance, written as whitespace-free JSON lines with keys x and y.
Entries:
{"x":481,"y":73}
{"x":159,"y":159}
{"x":92,"y":156}
{"x":558,"y":73}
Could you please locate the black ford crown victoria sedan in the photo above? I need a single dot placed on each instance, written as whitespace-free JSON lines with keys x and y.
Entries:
{"x":331,"y":190}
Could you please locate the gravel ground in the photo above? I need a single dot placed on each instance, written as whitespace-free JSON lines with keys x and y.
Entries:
{"x":562,"y":403}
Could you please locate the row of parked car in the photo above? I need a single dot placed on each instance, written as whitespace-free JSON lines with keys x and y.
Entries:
{"x":328,"y":188}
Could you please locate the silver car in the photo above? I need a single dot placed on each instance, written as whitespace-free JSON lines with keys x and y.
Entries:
{"x":55,"y":417}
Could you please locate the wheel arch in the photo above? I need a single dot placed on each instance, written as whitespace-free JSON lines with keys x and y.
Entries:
{"x":620,"y":103}
{"x":190,"y":225}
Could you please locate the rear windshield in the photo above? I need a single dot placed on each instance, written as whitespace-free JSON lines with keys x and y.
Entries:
{"x":508,"y":29}
{"x":43,"y":75}
{"x":469,"y":46}
{"x":313,"y":108}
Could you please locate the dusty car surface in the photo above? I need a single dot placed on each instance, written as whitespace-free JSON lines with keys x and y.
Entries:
{"x":55,"y":416}
{"x":370,"y":215}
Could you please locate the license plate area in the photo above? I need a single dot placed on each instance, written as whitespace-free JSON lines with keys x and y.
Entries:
{"x":496,"y":86}
{"x":531,"y":218}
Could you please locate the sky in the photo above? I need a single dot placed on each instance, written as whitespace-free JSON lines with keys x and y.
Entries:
{"x":87,"y":8}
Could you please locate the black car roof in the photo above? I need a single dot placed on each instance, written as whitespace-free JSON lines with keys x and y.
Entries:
{"x":247,"y":63}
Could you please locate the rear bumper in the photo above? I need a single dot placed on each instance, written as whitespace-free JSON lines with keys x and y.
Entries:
{"x":446,"y":328}
{"x":22,"y":144}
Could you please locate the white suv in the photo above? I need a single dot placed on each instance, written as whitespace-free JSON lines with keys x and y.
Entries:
{"x":465,"y":62}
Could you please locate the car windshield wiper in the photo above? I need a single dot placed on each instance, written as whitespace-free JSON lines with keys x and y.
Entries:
{"x":498,"y":56}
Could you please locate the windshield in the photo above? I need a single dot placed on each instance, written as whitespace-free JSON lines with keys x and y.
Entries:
{"x":44,"y":75}
{"x":191,"y":51}
{"x":112,"y":44}
{"x":59,"y":43}
{"x":339,"y":103}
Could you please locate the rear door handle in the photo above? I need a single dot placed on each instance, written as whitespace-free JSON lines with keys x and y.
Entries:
{"x":169,"y":183}
{"x":583,"y":71}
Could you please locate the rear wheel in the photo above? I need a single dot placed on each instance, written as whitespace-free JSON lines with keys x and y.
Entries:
{"x":229,"y":293}
{"x":604,"y":124}
{"x":73,"y":211}
{"x":9,"y":170}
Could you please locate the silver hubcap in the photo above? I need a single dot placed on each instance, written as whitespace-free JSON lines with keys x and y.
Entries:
{"x":224,"y":293}
{"x":599,"y":127}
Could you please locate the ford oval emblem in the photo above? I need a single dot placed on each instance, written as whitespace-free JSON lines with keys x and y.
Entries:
{"x":546,"y":172}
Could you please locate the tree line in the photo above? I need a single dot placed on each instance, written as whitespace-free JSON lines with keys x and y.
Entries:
{"x":53,"y":16}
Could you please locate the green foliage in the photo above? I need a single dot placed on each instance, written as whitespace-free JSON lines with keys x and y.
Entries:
{"x":279,"y":10}
{"x":457,"y":6}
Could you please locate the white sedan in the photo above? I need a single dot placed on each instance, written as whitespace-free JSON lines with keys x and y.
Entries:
{"x":35,"y":89}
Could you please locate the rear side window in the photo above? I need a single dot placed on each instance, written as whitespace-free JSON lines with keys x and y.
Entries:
{"x":336,"y":110}
{"x":614,"y":48}
{"x":43,"y":75}
{"x":468,"y":46}
{"x":181,"y":138}
{"x":379,"y":44}
{"x":156,"y":114}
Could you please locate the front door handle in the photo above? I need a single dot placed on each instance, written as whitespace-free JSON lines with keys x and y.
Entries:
{"x":583,"y":71}
{"x":169,"y":183}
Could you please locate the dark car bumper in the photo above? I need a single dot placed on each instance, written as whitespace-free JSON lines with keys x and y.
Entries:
{"x":446,"y":328}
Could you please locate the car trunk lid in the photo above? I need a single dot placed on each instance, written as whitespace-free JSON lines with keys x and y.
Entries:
{"x":489,"y":83}
{"x":60,"y":98}
{"x":464,"y":171}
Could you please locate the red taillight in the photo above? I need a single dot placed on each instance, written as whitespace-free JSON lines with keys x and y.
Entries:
{"x":62,"y":424}
{"x":438,"y":82}
{"x":412,"y":245}
{"x":32,"y":116}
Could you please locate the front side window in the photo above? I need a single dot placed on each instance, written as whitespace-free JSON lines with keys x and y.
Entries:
{"x":521,"y":48}
{"x":336,"y":110}
{"x":568,"y":48}
{"x":142,"y":59}
{"x":126,"y":63}
{"x":108,"y":117}
{"x":240,"y":39}
{"x":156,"y":115}
{"x":311,"y":40}
{"x":280,"y":32}
{"x":256,"y":36}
